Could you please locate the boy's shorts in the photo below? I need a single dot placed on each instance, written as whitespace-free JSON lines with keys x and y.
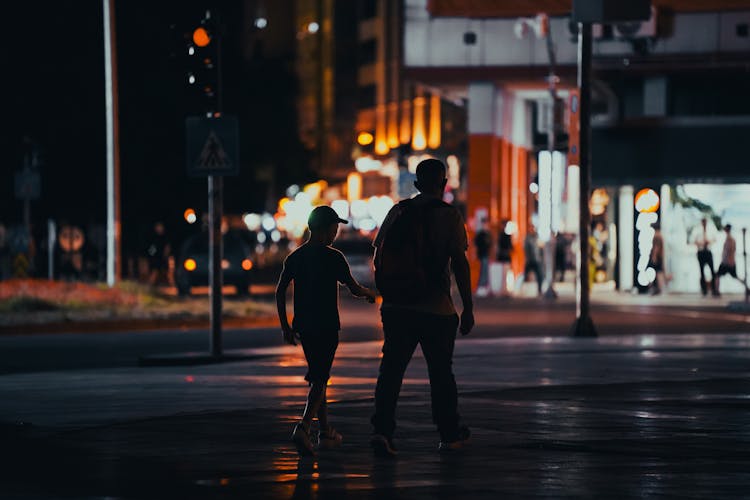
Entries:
{"x":319,"y":349}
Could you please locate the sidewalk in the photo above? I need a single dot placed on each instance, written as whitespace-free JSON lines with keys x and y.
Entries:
{"x":617,"y":416}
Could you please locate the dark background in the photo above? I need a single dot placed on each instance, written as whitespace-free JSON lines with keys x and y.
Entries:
{"x":55,"y":98}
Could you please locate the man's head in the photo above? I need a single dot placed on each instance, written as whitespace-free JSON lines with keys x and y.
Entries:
{"x":704,"y":222}
{"x":431,"y":178}
{"x":324,"y":223}
{"x":728,"y":228}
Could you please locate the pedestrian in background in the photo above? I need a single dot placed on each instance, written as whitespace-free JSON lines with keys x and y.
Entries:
{"x":483,"y":244}
{"x":703,"y":239}
{"x":656,"y":261}
{"x":728,"y":263}
{"x":499,"y":279}
{"x":158,"y":252}
{"x":316,"y":270}
{"x":531,"y":250}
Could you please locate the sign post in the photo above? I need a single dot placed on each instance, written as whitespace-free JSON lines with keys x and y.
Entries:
{"x":213,"y":152}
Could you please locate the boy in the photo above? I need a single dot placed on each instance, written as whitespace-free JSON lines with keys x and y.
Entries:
{"x":316,"y":269}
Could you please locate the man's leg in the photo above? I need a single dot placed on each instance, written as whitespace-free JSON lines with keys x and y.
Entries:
{"x":398,"y":348}
{"x":438,"y":340}
{"x":702,"y":264}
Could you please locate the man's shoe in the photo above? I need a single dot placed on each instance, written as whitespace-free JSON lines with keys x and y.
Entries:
{"x":330,"y":438}
{"x":301,"y":439}
{"x":462,"y":436}
{"x":382,"y":446}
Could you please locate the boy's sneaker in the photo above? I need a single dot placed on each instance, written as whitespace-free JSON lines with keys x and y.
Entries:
{"x":329,"y":438}
{"x":462,"y":436}
{"x":301,"y":439}
{"x":383,"y":446}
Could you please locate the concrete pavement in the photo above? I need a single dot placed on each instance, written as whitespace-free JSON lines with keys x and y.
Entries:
{"x":618,"y":416}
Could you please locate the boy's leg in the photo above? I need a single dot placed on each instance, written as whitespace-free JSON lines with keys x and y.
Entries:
{"x":323,"y":410}
{"x":314,"y":398}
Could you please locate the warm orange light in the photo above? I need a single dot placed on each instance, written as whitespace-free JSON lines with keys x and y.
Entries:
{"x":247,"y":264}
{"x":201,"y":37}
{"x":224,"y":264}
{"x":646,"y":201}
{"x":365,"y":138}
{"x":433,"y":139}
{"x":190,"y":265}
{"x":405,"y":132}
{"x":392,"y":135}
{"x":190,"y":216}
{"x":381,"y":141}
{"x":418,"y":138}
{"x":353,"y":186}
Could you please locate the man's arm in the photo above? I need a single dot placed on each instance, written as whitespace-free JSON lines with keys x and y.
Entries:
{"x":460,"y":268}
{"x":284,"y":280}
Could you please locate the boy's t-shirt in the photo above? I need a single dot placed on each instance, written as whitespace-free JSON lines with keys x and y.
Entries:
{"x":316,"y":270}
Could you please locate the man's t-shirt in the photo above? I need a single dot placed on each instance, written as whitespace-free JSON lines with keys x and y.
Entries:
{"x":446,"y":237}
{"x":316,"y":270}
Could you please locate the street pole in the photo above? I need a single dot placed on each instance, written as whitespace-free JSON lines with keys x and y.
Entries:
{"x":215,"y":203}
{"x":550,"y":293}
{"x":583,"y":326}
{"x":744,"y":257}
{"x":113,"y":144}
{"x":215,"y":213}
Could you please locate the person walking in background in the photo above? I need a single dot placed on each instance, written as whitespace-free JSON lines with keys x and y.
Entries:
{"x":316,"y":270}
{"x":158,"y":253}
{"x":728,"y":263}
{"x":504,"y":256}
{"x":483,"y":244}
{"x":703,"y":239}
{"x":421,"y":241}
{"x":531,"y":252}
{"x":656,"y":261}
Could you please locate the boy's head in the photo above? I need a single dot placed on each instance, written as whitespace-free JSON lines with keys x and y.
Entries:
{"x":323,"y":223}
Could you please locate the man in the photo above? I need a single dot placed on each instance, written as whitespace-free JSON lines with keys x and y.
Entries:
{"x":437,"y":236}
{"x":703,"y":240}
{"x":483,"y":242}
{"x":531,"y":250}
{"x":728,"y":263}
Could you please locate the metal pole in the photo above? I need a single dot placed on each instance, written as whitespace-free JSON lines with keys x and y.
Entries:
{"x":550,"y":293}
{"x":215,"y":258}
{"x":113,"y":144}
{"x":51,"y":237}
{"x":744,"y":256}
{"x":215,"y":212}
{"x":583,"y":326}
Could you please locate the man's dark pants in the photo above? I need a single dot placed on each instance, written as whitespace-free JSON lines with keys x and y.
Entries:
{"x":403,"y":330}
{"x":706,"y":258}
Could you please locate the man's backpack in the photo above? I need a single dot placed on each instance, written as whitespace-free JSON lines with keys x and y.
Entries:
{"x":404,"y":269}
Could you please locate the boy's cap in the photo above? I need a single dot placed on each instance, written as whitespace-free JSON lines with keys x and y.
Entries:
{"x":323,"y":216}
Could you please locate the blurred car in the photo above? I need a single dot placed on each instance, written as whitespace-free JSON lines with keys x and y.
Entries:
{"x":191,"y":266}
{"x":359,"y":253}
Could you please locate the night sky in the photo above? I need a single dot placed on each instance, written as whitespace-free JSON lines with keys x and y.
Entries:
{"x":55,"y":96}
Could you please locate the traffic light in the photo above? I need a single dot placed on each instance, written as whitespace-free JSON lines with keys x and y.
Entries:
{"x":202,"y":71}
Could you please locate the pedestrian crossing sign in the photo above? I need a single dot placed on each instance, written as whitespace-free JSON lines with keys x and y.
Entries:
{"x":212,"y":146}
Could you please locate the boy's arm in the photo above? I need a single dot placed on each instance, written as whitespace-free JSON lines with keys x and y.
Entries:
{"x":284,"y":280}
{"x":361,"y":291}
{"x":355,"y":288}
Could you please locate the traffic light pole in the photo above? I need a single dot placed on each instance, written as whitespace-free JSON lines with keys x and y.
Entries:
{"x":583,"y":326}
{"x":215,"y":205}
{"x":216,"y":246}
